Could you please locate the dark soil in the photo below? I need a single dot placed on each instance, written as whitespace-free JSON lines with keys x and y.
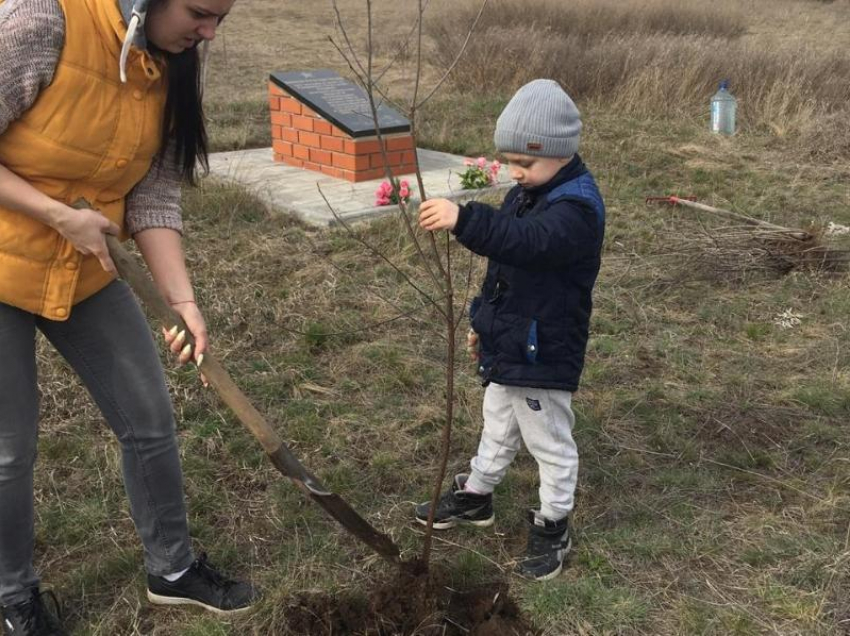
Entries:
{"x":412,"y":604}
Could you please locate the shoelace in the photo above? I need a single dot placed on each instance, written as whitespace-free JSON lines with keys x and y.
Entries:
{"x":34,"y":615}
{"x":208,"y":572}
{"x":541,"y":545}
{"x":445,"y":502}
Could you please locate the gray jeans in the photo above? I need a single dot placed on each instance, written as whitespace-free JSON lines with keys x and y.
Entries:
{"x":109,"y":344}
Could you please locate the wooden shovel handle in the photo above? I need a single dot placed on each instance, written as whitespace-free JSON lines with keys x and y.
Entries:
{"x":281,"y":456}
{"x":799,"y":235}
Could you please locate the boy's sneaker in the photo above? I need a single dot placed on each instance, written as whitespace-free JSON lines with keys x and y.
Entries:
{"x":548,"y":545}
{"x":204,"y":586}
{"x":458,"y":506}
{"x":31,"y":617}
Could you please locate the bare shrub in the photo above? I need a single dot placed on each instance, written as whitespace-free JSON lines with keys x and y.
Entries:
{"x":740,"y":253}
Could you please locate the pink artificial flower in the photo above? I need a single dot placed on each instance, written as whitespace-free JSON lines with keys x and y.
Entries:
{"x":494,"y":167}
{"x":403,"y":192}
{"x":382,"y":201}
{"x":468,"y":162}
{"x":404,"y":183}
{"x":482,"y":162}
{"x":386,"y":187}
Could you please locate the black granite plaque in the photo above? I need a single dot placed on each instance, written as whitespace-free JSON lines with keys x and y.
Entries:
{"x":342,"y":103}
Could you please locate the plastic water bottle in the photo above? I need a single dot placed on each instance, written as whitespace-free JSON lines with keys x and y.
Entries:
{"x":723,"y":107}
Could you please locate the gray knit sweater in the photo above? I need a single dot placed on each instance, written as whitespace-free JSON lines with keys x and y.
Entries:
{"x":32,"y":34}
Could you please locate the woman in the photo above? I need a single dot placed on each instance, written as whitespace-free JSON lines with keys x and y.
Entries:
{"x":81,"y":120}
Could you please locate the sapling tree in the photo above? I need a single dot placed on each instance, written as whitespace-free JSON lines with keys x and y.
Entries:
{"x":433,"y":277}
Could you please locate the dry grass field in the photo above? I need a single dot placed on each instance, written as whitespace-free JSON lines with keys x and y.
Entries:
{"x":714,"y":493}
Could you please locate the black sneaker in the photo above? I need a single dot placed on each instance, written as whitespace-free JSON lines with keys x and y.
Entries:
{"x":204,"y":586}
{"x":458,"y":506}
{"x":548,"y":545}
{"x":32,"y":618}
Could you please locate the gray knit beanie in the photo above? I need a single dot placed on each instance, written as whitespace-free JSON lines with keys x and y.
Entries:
{"x":540,"y":120}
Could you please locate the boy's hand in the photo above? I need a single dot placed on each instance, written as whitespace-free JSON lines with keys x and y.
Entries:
{"x":438,"y":214}
{"x":472,"y":345}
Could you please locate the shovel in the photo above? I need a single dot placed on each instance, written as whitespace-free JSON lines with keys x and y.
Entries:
{"x":279,"y":454}
{"x":691,"y":202}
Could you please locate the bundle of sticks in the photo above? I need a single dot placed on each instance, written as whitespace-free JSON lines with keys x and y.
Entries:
{"x":742,"y":245}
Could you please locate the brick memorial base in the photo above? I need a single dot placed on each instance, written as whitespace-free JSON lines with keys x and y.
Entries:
{"x":319,"y":123}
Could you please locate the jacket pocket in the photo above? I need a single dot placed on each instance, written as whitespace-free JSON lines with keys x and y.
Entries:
{"x":531,"y":344}
{"x":516,"y":338}
{"x":559,"y":343}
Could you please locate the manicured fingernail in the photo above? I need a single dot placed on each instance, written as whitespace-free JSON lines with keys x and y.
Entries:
{"x":173,"y":331}
{"x":200,"y":359}
{"x":180,"y":337}
{"x":186,"y":350}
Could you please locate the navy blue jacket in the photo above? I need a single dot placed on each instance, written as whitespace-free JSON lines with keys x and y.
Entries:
{"x":543,"y":247}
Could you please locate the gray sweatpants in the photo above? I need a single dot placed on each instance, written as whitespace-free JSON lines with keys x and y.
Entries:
{"x":543,"y":419}
{"x":109,"y":344}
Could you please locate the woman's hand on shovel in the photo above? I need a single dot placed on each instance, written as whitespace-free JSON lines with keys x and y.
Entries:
{"x":175,"y":339}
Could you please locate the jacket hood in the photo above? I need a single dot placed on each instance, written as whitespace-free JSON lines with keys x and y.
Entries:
{"x":141,"y":6}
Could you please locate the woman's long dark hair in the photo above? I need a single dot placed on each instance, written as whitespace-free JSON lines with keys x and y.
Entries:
{"x":184,"y":113}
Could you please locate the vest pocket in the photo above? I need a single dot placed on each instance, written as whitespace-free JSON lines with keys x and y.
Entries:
{"x":26,"y":238}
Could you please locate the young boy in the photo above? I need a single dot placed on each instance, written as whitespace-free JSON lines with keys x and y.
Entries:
{"x":532,"y":316}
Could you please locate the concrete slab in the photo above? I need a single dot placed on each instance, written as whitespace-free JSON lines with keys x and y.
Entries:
{"x":299,"y":192}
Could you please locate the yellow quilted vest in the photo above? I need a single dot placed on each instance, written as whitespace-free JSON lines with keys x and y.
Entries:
{"x":87,"y":135}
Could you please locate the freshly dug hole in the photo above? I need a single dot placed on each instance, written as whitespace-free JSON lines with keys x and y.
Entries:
{"x":412,"y":604}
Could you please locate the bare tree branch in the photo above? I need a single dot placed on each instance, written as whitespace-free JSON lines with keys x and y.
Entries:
{"x":369,"y":86}
{"x":413,"y":131}
{"x":447,"y":310}
{"x":457,"y":58}
{"x":374,"y":325}
{"x":418,"y":75}
{"x":348,"y":274}
{"x":388,"y":172}
{"x":380,"y":254}
{"x":451,"y":347}
{"x":467,"y":290}
{"x":416,"y":26}
{"x":341,"y":25}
